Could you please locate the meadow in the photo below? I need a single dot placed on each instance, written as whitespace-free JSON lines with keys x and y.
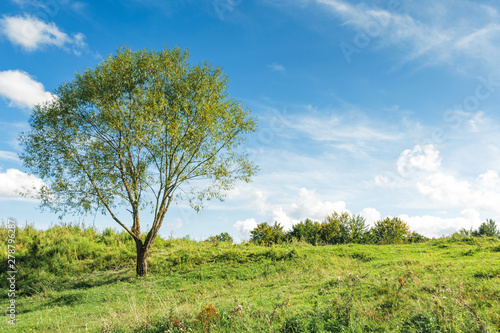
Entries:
{"x":72,"y":278}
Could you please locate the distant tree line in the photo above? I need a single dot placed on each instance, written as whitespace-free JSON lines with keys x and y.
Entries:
{"x":486,"y":229}
{"x":346,"y":228}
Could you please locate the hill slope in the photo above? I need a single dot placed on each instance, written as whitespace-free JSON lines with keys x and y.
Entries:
{"x":74,"y":279}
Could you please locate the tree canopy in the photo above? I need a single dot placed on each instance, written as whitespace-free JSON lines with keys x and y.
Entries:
{"x":136,"y":131}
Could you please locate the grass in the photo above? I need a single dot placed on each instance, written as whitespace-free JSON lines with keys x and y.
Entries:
{"x":74,"y":279}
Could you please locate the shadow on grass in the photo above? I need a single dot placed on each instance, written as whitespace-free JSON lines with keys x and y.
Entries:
{"x":75,"y":289}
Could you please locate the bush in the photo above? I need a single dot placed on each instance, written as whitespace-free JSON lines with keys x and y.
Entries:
{"x":307,"y":231}
{"x":265,"y":234}
{"x":208,"y":316}
{"x":223,"y":237}
{"x":334,"y":229}
{"x":417,"y":238}
{"x":391,"y":231}
{"x":342,"y":229}
{"x":356,"y":226}
{"x":488,"y":229}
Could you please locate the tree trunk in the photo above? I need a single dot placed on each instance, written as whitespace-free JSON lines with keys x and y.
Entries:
{"x":142,"y":255}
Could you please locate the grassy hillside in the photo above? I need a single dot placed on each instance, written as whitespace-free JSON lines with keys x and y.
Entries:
{"x":73,"y":279}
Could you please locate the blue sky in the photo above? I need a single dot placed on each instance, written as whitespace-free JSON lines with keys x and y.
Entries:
{"x":380,"y":108}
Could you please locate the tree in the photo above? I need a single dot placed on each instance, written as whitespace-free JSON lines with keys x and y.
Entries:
{"x":265,"y":234}
{"x":307,"y":231}
{"x":391,"y":231}
{"x":334,"y":230}
{"x":136,"y":131}
{"x":488,"y":228}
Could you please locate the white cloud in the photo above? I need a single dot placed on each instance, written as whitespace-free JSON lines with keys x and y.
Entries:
{"x":276,"y":67}
{"x":21,"y":90}
{"x":371,"y":215}
{"x":483,"y":193}
{"x":14,"y":180}
{"x":490,"y":180}
{"x":425,"y":30}
{"x":420,"y":170}
{"x":432,"y":226}
{"x":426,"y":159}
{"x":309,"y":204}
{"x":8,"y":155}
{"x":31,"y":34}
{"x":445,"y":188}
{"x":177,"y":224}
{"x":244,"y":227}
{"x":253,"y":197}
{"x":337,"y":128}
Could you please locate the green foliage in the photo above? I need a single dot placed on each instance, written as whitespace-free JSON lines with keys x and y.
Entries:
{"x":264,"y":234}
{"x":135,"y":131}
{"x":338,"y":228}
{"x":307,"y":231}
{"x":291,"y":287}
{"x":223,"y":237}
{"x":66,"y":250}
{"x":136,"y":121}
{"x":415,"y":237}
{"x":208,"y":316}
{"x":334,"y":229}
{"x":488,"y":229}
{"x":391,"y":231}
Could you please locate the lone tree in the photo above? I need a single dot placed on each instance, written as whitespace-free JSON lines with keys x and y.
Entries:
{"x":135,"y":131}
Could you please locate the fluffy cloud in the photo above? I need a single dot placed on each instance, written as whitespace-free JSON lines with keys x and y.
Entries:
{"x":371,"y":215}
{"x":445,"y":188}
{"x":420,"y":169}
{"x":432,"y":226}
{"x":14,"y":180}
{"x":244,"y":227}
{"x":307,"y":204}
{"x":483,"y":193}
{"x":31,"y":34}
{"x":418,"y":158}
{"x":21,"y":90}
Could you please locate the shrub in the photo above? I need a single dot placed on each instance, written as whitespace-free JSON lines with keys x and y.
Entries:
{"x":264,"y":234}
{"x":356,"y":226}
{"x":416,"y":238}
{"x":391,"y":231}
{"x":208,"y":316}
{"x":334,"y":229}
{"x":342,"y":229}
{"x":223,"y":237}
{"x":488,"y":229}
{"x":307,"y":231}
